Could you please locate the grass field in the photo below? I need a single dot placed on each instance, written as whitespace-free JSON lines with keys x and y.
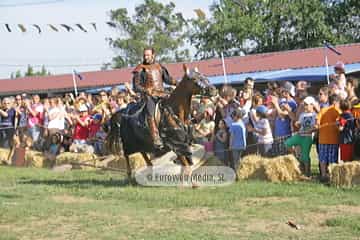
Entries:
{"x":42,"y":204}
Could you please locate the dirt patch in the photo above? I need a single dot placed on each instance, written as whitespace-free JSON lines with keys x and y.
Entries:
{"x":196,"y":214}
{"x":67,"y":199}
{"x":57,"y":227}
{"x":327,"y":212}
{"x":264,"y":200}
{"x":345,"y":209}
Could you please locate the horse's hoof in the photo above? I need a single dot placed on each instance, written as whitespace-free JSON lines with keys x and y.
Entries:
{"x":131,"y":181}
{"x":194,"y":186}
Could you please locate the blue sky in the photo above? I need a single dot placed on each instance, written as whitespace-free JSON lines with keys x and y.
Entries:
{"x":63,"y":48}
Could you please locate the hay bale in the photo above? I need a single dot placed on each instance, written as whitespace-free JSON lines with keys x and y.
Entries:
{"x":283,"y":169}
{"x":35,"y":159}
{"x":32,"y":158}
{"x":251,"y":167}
{"x":136,"y":161}
{"x":70,"y":158}
{"x":280,"y":169}
{"x":345,"y":174}
{"x":112,"y":161}
{"x":4,"y":153}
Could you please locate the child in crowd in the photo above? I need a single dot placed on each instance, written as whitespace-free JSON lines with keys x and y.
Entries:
{"x":221,"y":138}
{"x":66,"y":143}
{"x":94,"y":133}
{"x":94,"y":125}
{"x":81,"y":130}
{"x":306,"y":124}
{"x":347,"y":131}
{"x":237,"y":141}
{"x":54,"y":148}
{"x":282,"y":125}
{"x":99,"y":144}
{"x":263,"y":131}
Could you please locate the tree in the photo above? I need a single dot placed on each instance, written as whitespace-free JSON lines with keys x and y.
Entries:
{"x":153,"y":24}
{"x":256,"y":26}
{"x":30,"y":72}
{"x":344,"y":17}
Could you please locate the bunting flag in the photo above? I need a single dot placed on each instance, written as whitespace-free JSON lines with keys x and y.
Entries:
{"x":55,"y":27}
{"x":37,"y":27}
{"x":94,"y":26}
{"x":81,"y":27}
{"x":111,"y":24}
{"x":67,"y":27}
{"x":22,"y":28}
{"x":8,"y":27}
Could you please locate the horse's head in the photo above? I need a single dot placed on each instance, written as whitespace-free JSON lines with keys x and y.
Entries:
{"x":198,"y":83}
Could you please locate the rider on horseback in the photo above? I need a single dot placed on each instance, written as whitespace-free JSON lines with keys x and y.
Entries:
{"x":148,"y":79}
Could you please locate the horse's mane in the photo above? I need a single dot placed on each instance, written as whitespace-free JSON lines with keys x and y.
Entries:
{"x":180,"y":98}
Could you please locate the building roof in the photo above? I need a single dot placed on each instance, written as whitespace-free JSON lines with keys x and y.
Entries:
{"x":266,"y":62}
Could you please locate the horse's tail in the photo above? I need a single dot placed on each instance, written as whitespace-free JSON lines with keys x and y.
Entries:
{"x":113,"y":139}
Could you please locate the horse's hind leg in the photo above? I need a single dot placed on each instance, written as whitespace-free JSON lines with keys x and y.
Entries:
{"x":147,"y":159}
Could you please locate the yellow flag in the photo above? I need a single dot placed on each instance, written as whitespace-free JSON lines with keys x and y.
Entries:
{"x":200,"y":13}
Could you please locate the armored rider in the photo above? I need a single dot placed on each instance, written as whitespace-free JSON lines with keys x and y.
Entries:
{"x":148,"y":79}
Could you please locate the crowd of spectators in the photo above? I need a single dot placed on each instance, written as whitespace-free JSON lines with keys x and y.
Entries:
{"x":60,"y":123}
{"x":271,"y":121}
{"x":283,"y":118}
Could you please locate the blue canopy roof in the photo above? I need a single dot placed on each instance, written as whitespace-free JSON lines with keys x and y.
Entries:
{"x":314,"y":74}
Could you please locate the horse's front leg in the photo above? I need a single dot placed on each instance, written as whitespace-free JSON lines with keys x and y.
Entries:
{"x":185,"y":170}
{"x":128,"y":170}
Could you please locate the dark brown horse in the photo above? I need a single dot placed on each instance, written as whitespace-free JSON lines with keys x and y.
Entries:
{"x":129,"y":133}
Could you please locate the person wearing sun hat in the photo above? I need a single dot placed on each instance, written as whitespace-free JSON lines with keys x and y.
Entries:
{"x":303,"y":139}
{"x":339,"y":70}
{"x":81,"y":121}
